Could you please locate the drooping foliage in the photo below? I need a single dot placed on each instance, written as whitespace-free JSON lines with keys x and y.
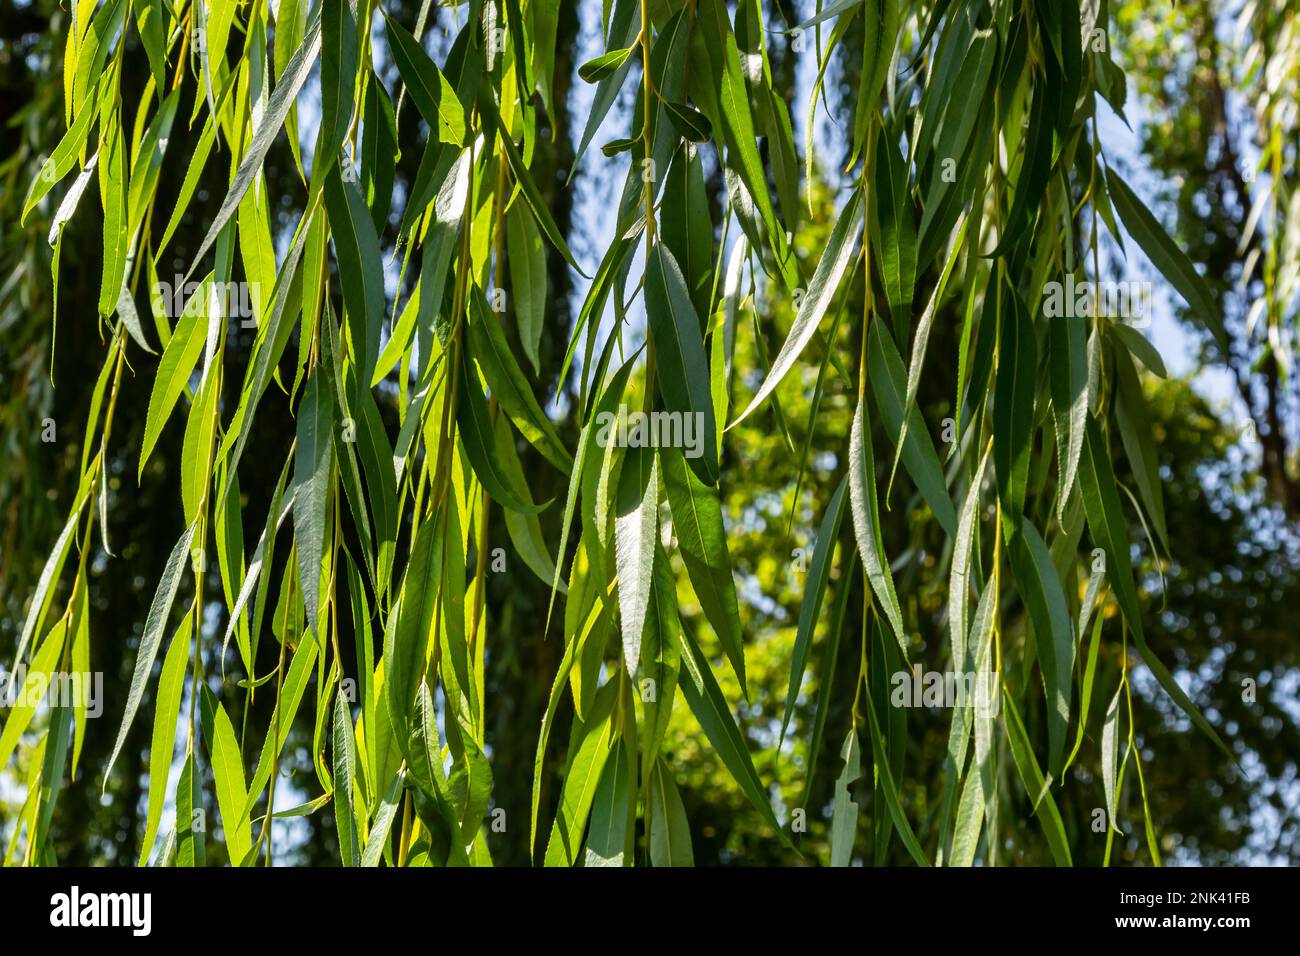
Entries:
{"x":446,"y":436}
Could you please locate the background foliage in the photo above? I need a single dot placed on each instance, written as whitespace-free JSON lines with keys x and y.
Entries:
{"x":808,"y":268}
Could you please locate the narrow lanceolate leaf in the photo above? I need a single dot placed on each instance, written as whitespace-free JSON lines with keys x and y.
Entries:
{"x":670,"y":831}
{"x":607,"y":64}
{"x":590,"y":747}
{"x":1013,"y":408}
{"x":1040,"y":587}
{"x":113,"y":197}
{"x":361,"y":269}
{"x":228,"y":775}
{"x":524,"y":179}
{"x":338,"y":78}
{"x":475,"y":428}
{"x":840,"y":249}
{"x":1106,"y":524}
{"x":406,"y":638}
{"x":291,"y":694}
{"x":19,"y":717}
{"x":819,"y":574}
{"x":1166,"y":256}
{"x":704,"y":697}
{"x":888,"y":787}
{"x":167,"y":702}
{"x":1110,"y":762}
{"x":686,"y":226}
{"x":1040,"y":797}
{"x":527,"y":259}
{"x":702,"y":537}
{"x":311,"y":485}
{"x":635,"y":525}
{"x":509,"y":386}
{"x":866,"y":524}
{"x":612,"y":811}
{"x":1068,"y":355}
{"x":434,"y":97}
{"x":155,"y":621}
{"x":1136,"y":432}
{"x":888,"y":380}
{"x":282,"y":99}
{"x":895,"y":224}
{"x":345,"y":763}
{"x":844,"y":811}
{"x":682,"y":367}
{"x":196,"y":448}
{"x":959,"y":579}
{"x":377,"y":839}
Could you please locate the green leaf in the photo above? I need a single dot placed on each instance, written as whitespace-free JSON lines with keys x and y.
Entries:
{"x":291,"y":693}
{"x":702,"y":537}
{"x":819,"y":575}
{"x":1106,"y":523}
{"x":844,"y":811}
{"x":686,"y":226}
{"x":1068,"y":357}
{"x":889,"y":386}
{"x":889,"y":789}
{"x":704,"y":697}
{"x":682,"y":367}
{"x":523,"y":179}
{"x":525,"y":530}
{"x":635,"y":525}
{"x":277,"y":108}
{"x":345,"y":762}
{"x":690,"y":122}
{"x":406,"y":638}
{"x":1135,"y":430}
{"x":151,"y":638}
{"x":361,"y":269}
{"x":590,"y":749}
{"x":527,"y":259}
{"x":42,"y":667}
{"x":167,"y":703}
{"x":475,"y":431}
{"x":895,"y":244}
{"x":1035,"y":786}
{"x":623,"y":24}
{"x":613,"y":810}
{"x":1166,"y":256}
{"x":311,"y":486}
{"x":196,"y":448}
{"x":607,"y":64}
{"x":670,"y":831}
{"x":840,"y":250}
{"x":434,"y":97}
{"x":113,"y":197}
{"x":660,"y":656}
{"x":1013,"y":408}
{"x":1110,"y":765}
{"x":865,"y":506}
{"x":509,"y":386}
{"x":178,"y":360}
{"x":959,"y":579}
{"x":228,"y":774}
{"x":1040,"y":587}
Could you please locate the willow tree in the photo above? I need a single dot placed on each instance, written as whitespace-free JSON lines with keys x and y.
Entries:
{"x":976,"y":190}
